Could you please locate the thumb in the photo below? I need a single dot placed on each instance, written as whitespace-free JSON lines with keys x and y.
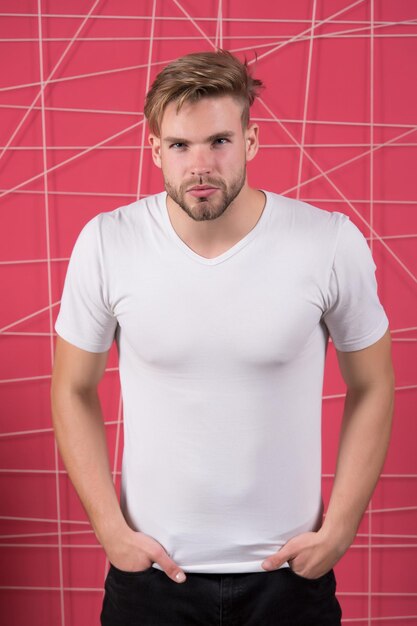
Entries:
{"x":278,"y":559}
{"x":171,"y":569}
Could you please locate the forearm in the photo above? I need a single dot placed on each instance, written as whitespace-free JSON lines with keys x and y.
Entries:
{"x":80,"y":434}
{"x":363,"y":445}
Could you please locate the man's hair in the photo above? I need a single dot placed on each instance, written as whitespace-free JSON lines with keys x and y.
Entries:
{"x":200,"y":75}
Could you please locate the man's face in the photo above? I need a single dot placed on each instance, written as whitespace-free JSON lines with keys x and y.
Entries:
{"x":203,"y":151}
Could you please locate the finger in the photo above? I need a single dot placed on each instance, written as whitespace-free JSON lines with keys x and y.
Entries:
{"x":278,"y":559}
{"x":170,"y":568}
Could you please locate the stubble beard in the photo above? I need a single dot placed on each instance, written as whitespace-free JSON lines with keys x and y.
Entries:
{"x":212,"y":207}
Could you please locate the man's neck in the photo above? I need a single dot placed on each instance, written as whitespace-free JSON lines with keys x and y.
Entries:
{"x":210,"y":238}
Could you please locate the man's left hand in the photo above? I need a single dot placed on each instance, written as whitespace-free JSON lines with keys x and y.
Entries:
{"x":310,"y":555}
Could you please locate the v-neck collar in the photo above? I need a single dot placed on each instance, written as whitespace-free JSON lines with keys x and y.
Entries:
{"x":259,"y":226}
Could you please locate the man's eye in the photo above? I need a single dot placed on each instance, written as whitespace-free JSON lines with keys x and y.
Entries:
{"x":221,"y":140}
{"x":177,"y":145}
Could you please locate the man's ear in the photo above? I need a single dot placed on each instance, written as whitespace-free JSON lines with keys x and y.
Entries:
{"x":251,"y":141}
{"x":156,"y":149}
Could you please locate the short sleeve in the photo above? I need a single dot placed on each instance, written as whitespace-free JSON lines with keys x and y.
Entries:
{"x":354,"y":314}
{"x":85,"y":318}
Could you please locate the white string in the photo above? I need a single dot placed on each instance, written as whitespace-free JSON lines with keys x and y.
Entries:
{"x":38,"y":471}
{"x":194,"y":23}
{"x":74,"y":193}
{"x":167,"y":18}
{"x":87,"y":546}
{"x":219,"y":27}
{"x":402,"y":509}
{"x":31,"y":261}
{"x":306,"y":94}
{"x":388,"y":594}
{"x":14,"y":518}
{"x":91,"y":532}
{"x":48,"y":376}
{"x":390,"y":618}
{"x":371,"y":220}
{"x":31,"y":588}
{"x":40,"y":334}
{"x":65,"y":79}
{"x":28,"y":317}
{"x":348,"y":34}
{"x":264,"y":146}
{"x":258,"y":119}
{"x":404,"y":330}
{"x":58,"y":546}
{"x":337,"y":123}
{"x":48,"y":265}
{"x":71,"y":533}
{"x":342,"y":395}
{"x":132,"y":195}
{"x":147,"y":85}
{"x":115,"y":472}
{"x":24,"y":379}
{"x":398,"y":509}
{"x":71,"y":109}
{"x":353,"y":33}
{"x":37,"y":431}
{"x":118,"y":472}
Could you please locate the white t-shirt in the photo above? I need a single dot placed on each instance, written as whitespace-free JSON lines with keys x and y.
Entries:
{"x":221,"y":365}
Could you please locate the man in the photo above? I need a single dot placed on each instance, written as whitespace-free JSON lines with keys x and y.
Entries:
{"x":221,"y":298}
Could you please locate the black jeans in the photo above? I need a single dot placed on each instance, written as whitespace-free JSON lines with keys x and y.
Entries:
{"x":277,"y":598}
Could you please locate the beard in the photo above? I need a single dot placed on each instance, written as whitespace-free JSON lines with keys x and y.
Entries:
{"x":210,"y":208}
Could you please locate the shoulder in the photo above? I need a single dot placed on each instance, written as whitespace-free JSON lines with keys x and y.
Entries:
{"x":307,"y":225}
{"x":305,"y":216}
{"x":123,"y":224}
{"x":129,"y":215}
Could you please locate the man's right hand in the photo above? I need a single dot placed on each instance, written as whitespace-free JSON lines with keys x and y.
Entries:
{"x":135,"y":552}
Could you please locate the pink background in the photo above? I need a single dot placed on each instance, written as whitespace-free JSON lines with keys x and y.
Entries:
{"x":337,"y":120}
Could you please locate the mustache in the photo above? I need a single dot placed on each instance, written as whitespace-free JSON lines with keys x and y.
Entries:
{"x":201,"y":180}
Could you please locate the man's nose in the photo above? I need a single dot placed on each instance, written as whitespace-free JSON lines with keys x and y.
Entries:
{"x":201,"y":163}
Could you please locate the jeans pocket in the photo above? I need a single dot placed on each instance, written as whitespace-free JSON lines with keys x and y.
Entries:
{"x":126,"y":596}
{"x":314,"y":582}
{"x":313,"y":600}
{"x":122,"y":573}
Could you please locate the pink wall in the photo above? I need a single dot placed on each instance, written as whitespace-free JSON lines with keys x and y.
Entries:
{"x":338,"y":122}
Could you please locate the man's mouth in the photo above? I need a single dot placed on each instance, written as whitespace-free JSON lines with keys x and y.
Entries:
{"x":202,"y":191}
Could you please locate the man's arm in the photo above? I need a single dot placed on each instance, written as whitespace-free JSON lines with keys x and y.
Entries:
{"x":363,"y":445}
{"x":80,"y":434}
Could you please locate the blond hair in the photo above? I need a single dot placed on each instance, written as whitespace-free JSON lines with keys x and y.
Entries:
{"x":199,"y":75}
